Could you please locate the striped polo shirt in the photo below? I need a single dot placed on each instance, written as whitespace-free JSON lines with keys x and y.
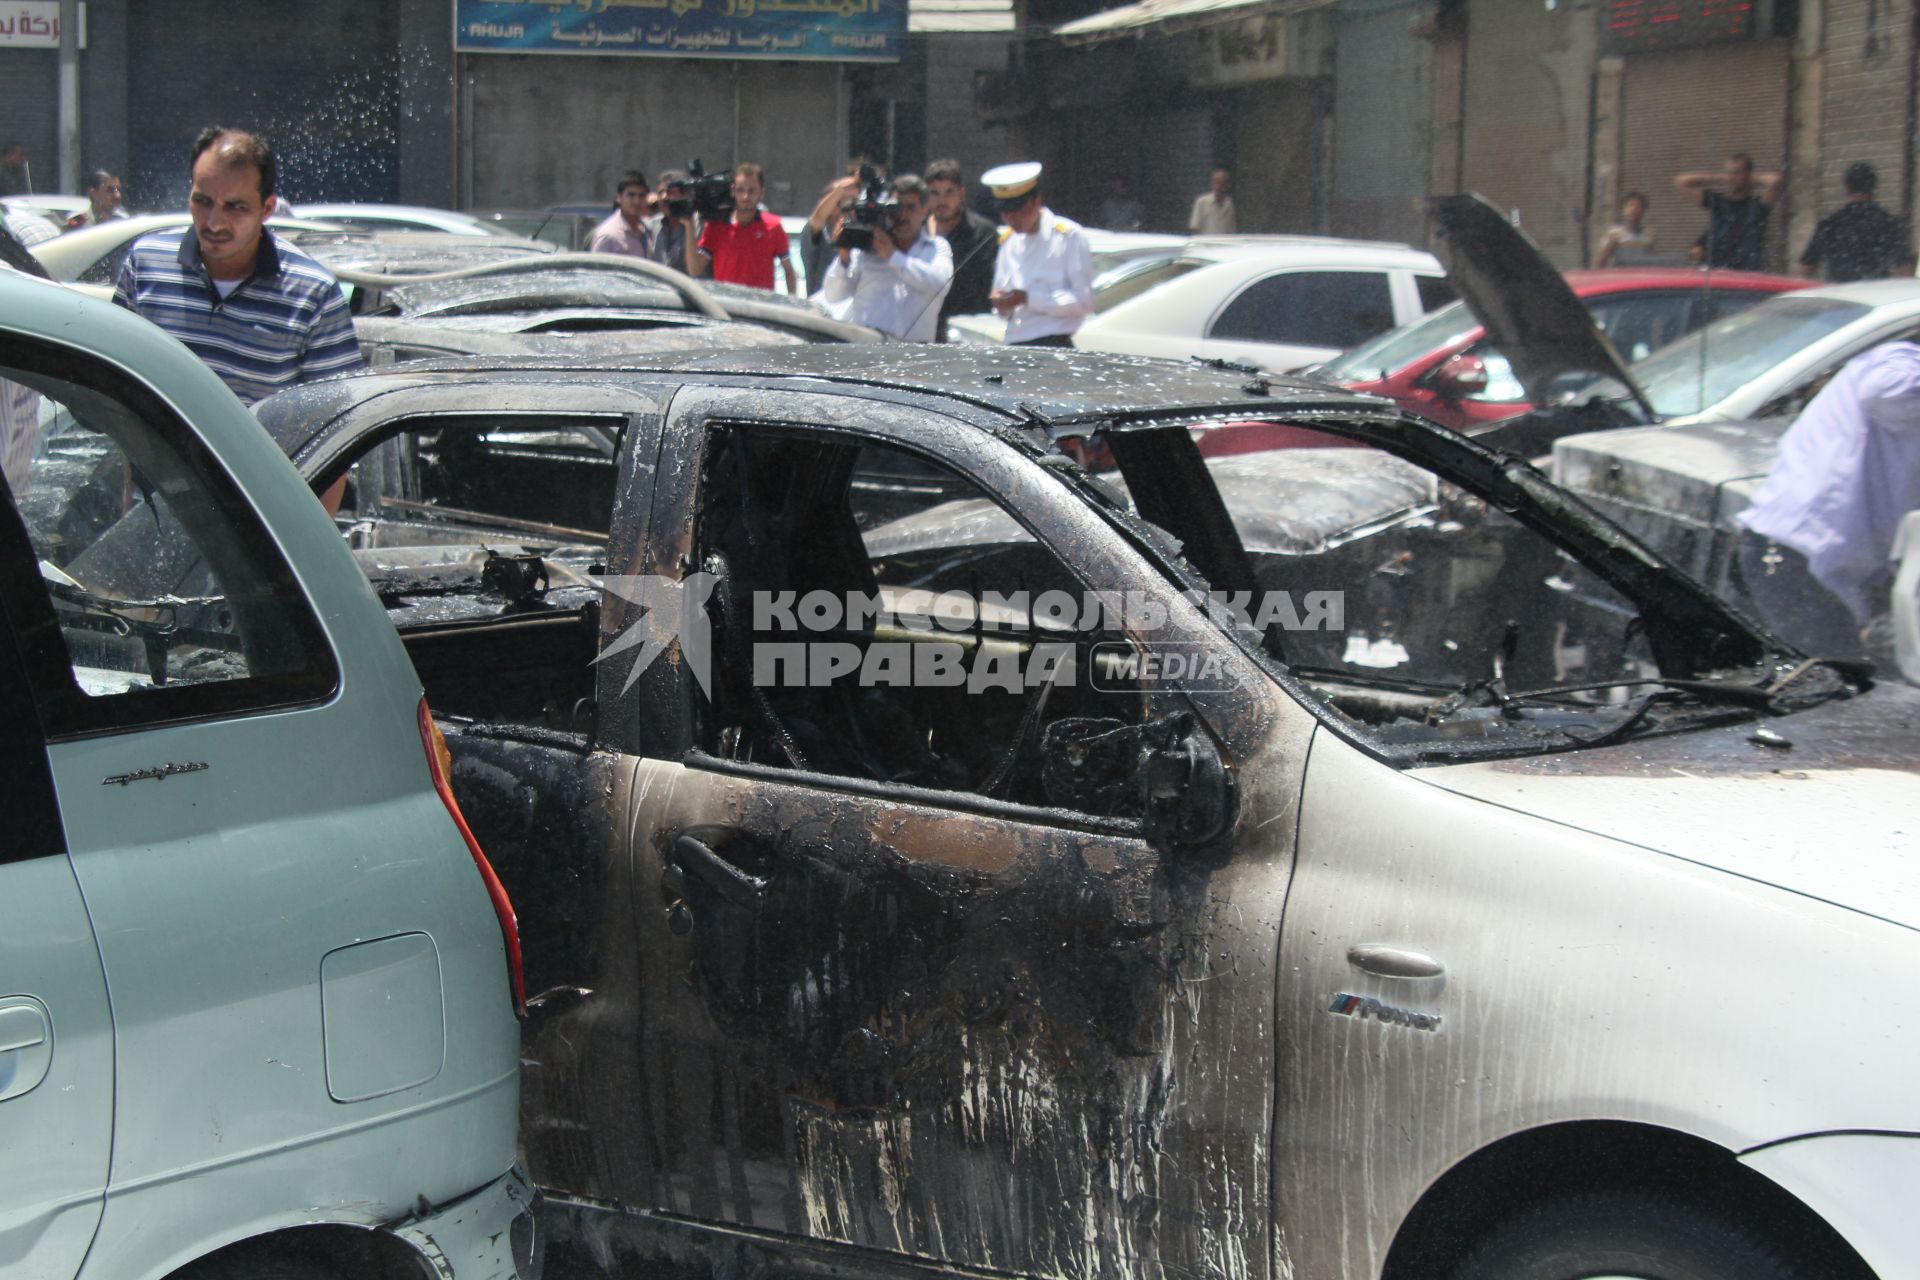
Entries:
{"x":286,"y":323}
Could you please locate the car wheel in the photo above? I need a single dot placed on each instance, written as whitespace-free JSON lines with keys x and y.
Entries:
{"x":1626,"y":1235}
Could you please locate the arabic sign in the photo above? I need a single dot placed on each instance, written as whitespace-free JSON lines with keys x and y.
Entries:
{"x":1634,"y":26}
{"x":35,"y":24}
{"x":842,"y":30}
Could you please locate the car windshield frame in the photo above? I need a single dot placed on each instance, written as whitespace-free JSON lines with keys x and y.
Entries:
{"x":1696,"y":640}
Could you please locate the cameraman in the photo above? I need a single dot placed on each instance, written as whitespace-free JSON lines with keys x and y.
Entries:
{"x":742,"y":249}
{"x":669,"y":224}
{"x":896,"y":286}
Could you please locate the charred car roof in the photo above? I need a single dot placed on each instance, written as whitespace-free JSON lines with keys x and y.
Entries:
{"x":583,"y":280}
{"x":579,"y":287}
{"x":415,"y":252}
{"x":1063,"y":391}
{"x":602,"y":336}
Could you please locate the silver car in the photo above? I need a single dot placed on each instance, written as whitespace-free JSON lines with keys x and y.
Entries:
{"x":257,"y":979}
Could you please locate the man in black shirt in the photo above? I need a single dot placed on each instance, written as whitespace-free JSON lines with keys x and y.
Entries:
{"x":1736,"y":235}
{"x":1859,"y":240}
{"x":972,"y":238}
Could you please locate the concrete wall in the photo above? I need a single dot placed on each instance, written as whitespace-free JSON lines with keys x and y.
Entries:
{"x":953,"y":129}
{"x":1278,"y":144}
{"x":1866,"y":94}
{"x":1382,"y":118}
{"x":1527,"y":99}
{"x":425,"y":124}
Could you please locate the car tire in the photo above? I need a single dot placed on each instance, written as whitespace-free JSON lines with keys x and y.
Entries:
{"x":1627,"y":1235}
{"x":265,"y":1263}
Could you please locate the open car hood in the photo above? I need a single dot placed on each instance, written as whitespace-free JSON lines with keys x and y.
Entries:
{"x":1528,"y":310}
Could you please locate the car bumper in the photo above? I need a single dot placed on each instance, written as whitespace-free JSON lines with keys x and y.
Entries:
{"x":488,"y":1234}
{"x":1862,"y":1184}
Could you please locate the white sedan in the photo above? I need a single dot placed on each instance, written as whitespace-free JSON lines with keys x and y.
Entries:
{"x":1772,"y":358}
{"x":92,"y":255}
{"x":393,"y":217}
{"x":1276,"y":302}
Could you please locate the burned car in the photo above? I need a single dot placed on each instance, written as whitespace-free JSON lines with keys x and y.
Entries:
{"x":933,"y":857}
{"x":599,"y":305}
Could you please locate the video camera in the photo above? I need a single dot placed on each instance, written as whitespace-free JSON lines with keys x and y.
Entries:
{"x":708,"y":194}
{"x":873,"y":210}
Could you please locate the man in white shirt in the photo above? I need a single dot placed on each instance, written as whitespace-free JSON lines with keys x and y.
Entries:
{"x":896,"y":285}
{"x":103,"y":201}
{"x":1816,"y":546}
{"x":1043,"y":276}
{"x":1213,"y":213}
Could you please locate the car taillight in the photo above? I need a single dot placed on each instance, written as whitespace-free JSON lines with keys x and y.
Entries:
{"x":440,"y":765}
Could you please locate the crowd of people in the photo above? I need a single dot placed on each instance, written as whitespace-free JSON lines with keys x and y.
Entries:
{"x":1860,"y":240}
{"x":905,"y":256}
{"x":901,"y":256}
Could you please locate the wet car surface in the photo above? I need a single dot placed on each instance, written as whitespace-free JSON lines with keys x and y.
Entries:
{"x":1126,"y":967}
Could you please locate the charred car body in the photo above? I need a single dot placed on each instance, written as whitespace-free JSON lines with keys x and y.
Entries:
{"x":1391,"y":943}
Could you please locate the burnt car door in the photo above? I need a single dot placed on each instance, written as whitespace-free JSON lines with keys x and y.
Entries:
{"x":480,"y":514}
{"x":979,"y":972}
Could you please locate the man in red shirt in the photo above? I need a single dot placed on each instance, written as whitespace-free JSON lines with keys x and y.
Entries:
{"x":742,"y":249}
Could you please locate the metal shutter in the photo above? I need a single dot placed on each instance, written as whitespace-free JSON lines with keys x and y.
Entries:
{"x":1689,"y":109}
{"x":1180,"y":142}
{"x":29,"y":96}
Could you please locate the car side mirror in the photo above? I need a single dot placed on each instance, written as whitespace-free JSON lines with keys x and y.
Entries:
{"x":1459,"y":377}
{"x":1167,"y":772}
{"x":1188,"y":795}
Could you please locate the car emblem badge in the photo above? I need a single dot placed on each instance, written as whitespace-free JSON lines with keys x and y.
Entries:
{"x":1364,"y":1007}
{"x":159,"y":773}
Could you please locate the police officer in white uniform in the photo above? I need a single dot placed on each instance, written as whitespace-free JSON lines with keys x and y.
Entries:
{"x":1043,"y":277}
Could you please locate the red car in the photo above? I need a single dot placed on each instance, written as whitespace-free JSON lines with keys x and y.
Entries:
{"x":1443,"y":367}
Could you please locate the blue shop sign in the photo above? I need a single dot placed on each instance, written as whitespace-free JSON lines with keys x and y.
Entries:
{"x":840,"y":30}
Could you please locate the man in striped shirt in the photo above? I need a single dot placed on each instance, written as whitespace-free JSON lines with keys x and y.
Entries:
{"x":262,"y":314}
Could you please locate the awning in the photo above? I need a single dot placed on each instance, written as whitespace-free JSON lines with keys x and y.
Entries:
{"x":1165,"y":17}
{"x":929,"y":16}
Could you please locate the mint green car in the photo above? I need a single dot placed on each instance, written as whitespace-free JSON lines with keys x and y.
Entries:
{"x":258,"y":984}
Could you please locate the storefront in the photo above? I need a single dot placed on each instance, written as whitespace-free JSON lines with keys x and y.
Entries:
{"x":1162,"y":91}
{"x":555,"y":104}
{"x":1705,"y":82}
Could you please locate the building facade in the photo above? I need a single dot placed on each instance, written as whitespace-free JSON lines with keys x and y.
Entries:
{"x":1335,"y":115}
{"x":372,"y":100}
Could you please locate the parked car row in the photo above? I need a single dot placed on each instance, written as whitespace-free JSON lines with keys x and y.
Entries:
{"x":1445,"y":366}
{"x":1355,"y":921}
{"x":257,"y":979}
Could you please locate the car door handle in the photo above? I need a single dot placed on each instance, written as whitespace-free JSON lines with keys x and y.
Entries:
{"x":21,"y":1028}
{"x":1388,"y":961}
{"x":694,"y":858}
